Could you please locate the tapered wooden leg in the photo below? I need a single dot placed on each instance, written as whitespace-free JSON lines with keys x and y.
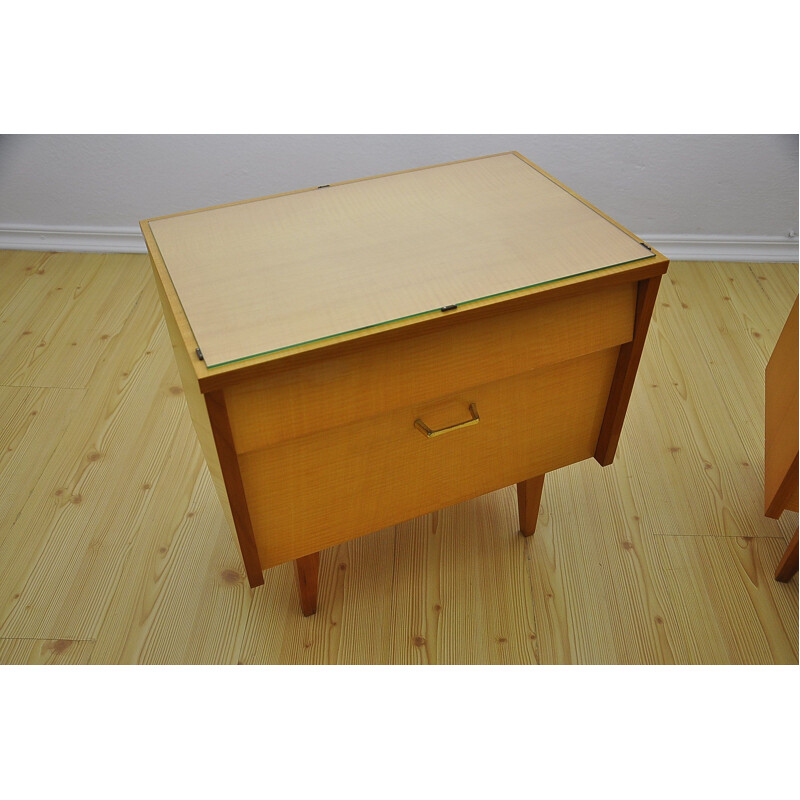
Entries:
{"x":529,"y":496}
{"x":787,"y":569}
{"x":307,"y":579}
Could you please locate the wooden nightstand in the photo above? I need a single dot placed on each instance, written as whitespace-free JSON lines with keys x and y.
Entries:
{"x":780,"y":436}
{"x":359,"y":354}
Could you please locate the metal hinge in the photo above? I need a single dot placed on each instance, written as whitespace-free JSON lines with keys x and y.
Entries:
{"x":199,"y":354}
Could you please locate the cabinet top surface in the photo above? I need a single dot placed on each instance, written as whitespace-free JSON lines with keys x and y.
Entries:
{"x":265,"y":275}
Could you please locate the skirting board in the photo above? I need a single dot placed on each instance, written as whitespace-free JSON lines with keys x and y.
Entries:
{"x":677,"y":247}
{"x":72,"y":240}
{"x":680,"y":247}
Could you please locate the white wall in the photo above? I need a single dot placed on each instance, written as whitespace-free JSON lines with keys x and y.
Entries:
{"x":693,"y":196}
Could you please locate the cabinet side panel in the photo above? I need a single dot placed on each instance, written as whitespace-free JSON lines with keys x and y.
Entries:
{"x":194,"y":400}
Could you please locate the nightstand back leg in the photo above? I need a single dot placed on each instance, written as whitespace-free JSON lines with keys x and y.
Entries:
{"x":307,"y":580}
{"x":529,"y":497}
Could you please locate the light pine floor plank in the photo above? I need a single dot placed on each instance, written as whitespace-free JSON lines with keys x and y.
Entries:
{"x":735,"y":343}
{"x":355,"y":579}
{"x":704,"y":402}
{"x":352,"y":622}
{"x":67,"y":548}
{"x":66,"y":319}
{"x":598,"y":581}
{"x":461,"y":593}
{"x":113,"y":547}
{"x":776,"y":282}
{"x":86,"y":543}
{"x":32,"y":423}
{"x":758,"y":308}
{"x":44,"y":651}
{"x":183,"y":596}
{"x":17,"y":267}
{"x":729,"y":607}
{"x":691,"y":439}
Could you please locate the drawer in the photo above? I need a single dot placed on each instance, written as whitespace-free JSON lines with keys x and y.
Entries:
{"x":311,"y":492}
{"x":384,"y":373}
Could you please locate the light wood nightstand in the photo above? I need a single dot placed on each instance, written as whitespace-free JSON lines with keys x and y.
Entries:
{"x":780,"y":436}
{"x":359,"y":354}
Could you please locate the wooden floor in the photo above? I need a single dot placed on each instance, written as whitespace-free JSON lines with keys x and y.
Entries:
{"x":113,"y":548}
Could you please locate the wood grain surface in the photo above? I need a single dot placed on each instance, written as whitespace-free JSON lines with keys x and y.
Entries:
{"x":114,"y":548}
{"x":259,"y":276}
{"x":294,"y":401}
{"x":781,"y":421}
{"x":401,"y":474}
{"x":43,"y":651}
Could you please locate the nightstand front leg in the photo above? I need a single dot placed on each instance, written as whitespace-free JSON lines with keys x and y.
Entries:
{"x":529,"y":496}
{"x":307,"y":579}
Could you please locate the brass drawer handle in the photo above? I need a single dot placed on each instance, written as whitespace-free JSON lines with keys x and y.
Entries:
{"x":473,"y":410}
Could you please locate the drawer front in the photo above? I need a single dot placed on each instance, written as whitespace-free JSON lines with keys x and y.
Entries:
{"x":385,"y":374}
{"x":313,"y":492}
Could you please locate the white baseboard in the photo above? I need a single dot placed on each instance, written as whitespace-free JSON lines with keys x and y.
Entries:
{"x":678,"y":247}
{"x":72,"y":240}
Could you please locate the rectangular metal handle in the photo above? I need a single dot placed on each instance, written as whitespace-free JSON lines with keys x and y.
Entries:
{"x":473,"y":410}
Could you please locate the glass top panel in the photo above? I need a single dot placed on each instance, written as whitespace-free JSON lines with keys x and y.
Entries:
{"x":266,"y":275}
